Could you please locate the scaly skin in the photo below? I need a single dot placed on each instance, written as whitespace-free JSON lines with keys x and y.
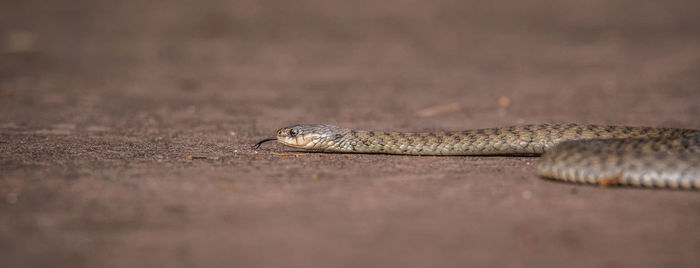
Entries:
{"x":605,"y":155}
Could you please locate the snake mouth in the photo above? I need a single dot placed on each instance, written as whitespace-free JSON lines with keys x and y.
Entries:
{"x":257,"y":145}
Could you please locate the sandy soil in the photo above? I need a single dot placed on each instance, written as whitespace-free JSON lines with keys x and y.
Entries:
{"x":102,"y":102}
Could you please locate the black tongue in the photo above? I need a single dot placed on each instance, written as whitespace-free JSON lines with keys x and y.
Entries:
{"x":257,"y":145}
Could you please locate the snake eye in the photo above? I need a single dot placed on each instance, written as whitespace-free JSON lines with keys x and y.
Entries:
{"x":293,"y":132}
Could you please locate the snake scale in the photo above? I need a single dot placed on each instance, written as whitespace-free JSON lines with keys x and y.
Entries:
{"x":580,"y":153}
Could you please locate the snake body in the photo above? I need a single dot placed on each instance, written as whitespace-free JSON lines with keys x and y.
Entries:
{"x":592,"y":154}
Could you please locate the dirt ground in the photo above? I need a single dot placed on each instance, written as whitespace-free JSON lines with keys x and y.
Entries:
{"x":102,"y":104}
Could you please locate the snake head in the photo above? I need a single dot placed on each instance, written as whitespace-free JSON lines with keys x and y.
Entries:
{"x":305,"y":136}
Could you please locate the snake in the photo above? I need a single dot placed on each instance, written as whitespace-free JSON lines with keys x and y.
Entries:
{"x":603,"y":155}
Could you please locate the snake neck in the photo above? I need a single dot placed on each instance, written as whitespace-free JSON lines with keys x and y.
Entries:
{"x":526,"y":139}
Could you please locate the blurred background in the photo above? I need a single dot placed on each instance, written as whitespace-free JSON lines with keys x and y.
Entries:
{"x":363,"y":63}
{"x":102,"y":103}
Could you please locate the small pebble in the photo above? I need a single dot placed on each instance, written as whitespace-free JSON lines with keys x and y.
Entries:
{"x":503,"y":101}
{"x":12,"y":198}
{"x":19,"y":41}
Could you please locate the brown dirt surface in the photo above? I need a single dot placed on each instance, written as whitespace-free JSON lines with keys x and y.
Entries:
{"x":126,"y":130}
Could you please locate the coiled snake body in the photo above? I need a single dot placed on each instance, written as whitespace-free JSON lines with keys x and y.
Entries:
{"x":592,"y":154}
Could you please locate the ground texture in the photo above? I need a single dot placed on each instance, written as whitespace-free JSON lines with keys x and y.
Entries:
{"x":126,"y":130}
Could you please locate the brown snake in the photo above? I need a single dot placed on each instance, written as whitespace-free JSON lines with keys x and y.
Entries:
{"x":592,"y":154}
